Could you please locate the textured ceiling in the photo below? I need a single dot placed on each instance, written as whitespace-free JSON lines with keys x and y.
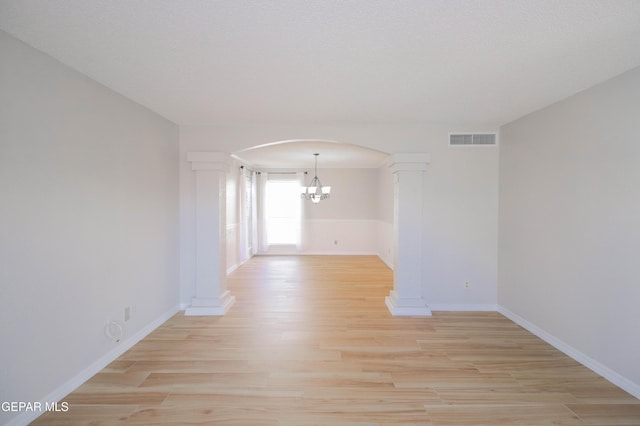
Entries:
{"x":336,"y":61}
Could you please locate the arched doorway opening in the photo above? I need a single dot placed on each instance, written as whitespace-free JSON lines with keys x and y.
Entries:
{"x":216,"y":183}
{"x":344,"y":224}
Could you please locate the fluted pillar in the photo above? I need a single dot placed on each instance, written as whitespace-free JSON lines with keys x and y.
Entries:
{"x":212,"y":296}
{"x":406,"y":298}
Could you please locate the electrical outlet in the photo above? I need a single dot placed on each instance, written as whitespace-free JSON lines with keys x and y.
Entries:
{"x":113,"y":330}
{"x":335,"y":242}
{"x":127,"y":313}
{"x":466,"y":284}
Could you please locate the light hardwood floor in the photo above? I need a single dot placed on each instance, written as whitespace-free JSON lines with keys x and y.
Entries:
{"x":310,"y":342}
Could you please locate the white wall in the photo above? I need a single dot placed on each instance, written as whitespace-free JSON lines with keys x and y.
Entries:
{"x":343,"y":224}
{"x":384,"y":216}
{"x":569,"y":224}
{"x":461,"y":228}
{"x":88,"y":222}
{"x":233,"y":216}
{"x":460,"y":193}
{"x":346,"y":222}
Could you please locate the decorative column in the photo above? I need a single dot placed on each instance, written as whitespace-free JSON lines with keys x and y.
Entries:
{"x":212,"y":296}
{"x":406,"y":296}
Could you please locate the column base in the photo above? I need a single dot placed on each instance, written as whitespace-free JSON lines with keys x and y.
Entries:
{"x":215,"y":306}
{"x":415,"y":307}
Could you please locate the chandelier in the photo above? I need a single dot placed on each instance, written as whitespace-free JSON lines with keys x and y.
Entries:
{"x":315,"y":191}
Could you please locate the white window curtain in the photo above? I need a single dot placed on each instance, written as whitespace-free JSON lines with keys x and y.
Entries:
{"x":263,"y":245}
{"x":301,"y":222}
{"x":243,"y":250}
{"x":254,"y":215}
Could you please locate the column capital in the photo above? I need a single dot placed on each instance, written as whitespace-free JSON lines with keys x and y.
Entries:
{"x":208,"y":160}
{"x":408,"y":162}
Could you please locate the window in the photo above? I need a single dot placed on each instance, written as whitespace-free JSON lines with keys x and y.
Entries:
{"x":283,"y":212}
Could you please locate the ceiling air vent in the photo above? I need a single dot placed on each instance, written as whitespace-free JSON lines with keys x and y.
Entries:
{"x":472,"y":139}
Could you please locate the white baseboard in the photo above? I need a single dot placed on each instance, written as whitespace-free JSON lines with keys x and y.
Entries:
{"x":406,"y":306}
{"x":73,"y":383}
{"x":385,"y":261}
{"x":615,"y":378}
{"x":338,"y":253}
{"x":238,"y":264}
{"x":232,"y":268}
{"x":462,"y":307}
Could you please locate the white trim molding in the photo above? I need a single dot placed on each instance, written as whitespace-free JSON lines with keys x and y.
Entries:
{"x":598,"y":368}
{"x":218,"y":161}
{"x":406,"y":298}
{"x":463,"y":307}
{"x":414,"y":306}
{"x":72,"y":384}
{"x":212,"y":296}
{"x":215,"y":306}
{"x":408,"y":162}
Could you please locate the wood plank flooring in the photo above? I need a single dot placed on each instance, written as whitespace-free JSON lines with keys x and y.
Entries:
{"x":310,"y":341}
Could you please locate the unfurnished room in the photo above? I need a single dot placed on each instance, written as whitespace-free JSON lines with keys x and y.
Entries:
{"x":320,"y":212}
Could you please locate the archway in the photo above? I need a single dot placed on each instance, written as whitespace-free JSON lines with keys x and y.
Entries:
{"x":344,"y":224}
{"x":406,"y":199}
{"x":298,"y":153}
